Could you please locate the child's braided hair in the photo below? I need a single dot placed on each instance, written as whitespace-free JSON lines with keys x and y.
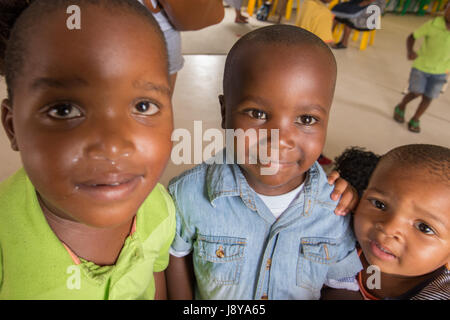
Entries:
{"x":356,"y":166}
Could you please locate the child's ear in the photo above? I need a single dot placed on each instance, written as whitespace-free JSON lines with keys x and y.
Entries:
{"x":222,"y":109}
{"x":7,"y":121}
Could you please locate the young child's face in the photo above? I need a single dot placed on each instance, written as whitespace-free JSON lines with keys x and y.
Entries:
{"x":91,"y":115}
{"x":289,"y":88}
{"x":402,"y":222}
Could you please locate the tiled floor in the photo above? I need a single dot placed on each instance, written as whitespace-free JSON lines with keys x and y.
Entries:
{"x":369,"y":85}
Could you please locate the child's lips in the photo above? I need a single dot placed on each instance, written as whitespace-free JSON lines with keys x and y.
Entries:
{"x":280,"y":164}
{"x":110,"y":186}
{"x":382,"y":252}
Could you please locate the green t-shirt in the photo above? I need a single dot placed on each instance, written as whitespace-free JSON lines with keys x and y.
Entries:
{"x":434,"y":54}
{"x":35,"y":265}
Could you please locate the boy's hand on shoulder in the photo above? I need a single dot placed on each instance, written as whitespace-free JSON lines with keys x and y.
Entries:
{"x":345,"y":191}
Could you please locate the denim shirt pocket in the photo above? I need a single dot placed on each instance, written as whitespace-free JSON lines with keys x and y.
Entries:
{"x":316,"y":256}
{"x":220,"y":257}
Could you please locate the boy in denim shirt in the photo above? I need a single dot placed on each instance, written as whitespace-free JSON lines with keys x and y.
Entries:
{"x":248,"y":235}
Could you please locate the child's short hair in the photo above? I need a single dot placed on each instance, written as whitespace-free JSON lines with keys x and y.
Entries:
{"x":278,"y":35}
{"x":357,"y":165}
{"x":434,"y":159}
{"x":17,"y":18}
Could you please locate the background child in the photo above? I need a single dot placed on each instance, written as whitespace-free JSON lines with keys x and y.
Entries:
{"x":317,"y":18}
{"x":237,"y":4}
{"x":89,"y":110}
{"x":402,"y":221}
{"x":355,"y":14}
{"x":430,"y":68}
{"x":247,"y":235}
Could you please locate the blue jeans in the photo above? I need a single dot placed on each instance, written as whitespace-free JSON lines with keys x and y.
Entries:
{"x":427,"y":84}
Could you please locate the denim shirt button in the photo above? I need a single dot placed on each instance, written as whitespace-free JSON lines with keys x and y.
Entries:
{"x":220,"y":253}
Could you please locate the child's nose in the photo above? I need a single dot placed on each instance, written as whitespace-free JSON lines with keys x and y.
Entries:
{"x":391,"y":227}
{"x":110,"y":143}
{"x":286,"y":137}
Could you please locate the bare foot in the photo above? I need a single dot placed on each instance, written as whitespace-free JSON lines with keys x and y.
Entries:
{"x":241,"y":19}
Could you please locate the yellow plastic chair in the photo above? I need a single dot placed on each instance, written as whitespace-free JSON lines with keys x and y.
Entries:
{"x":289,"y":8}
{"x":367,"y":38}
{"x":273,"y":8}
{"x":251,"y":6}
{"x":332,"y":4}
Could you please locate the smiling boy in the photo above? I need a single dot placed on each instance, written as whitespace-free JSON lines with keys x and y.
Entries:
{"x":247,"y":235}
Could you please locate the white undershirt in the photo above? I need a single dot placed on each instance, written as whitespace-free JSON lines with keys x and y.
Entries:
{"x":278,"y":204}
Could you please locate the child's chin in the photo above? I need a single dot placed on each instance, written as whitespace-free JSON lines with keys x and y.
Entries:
{"x":104,"y":217}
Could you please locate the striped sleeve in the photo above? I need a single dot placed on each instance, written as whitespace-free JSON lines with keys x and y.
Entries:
{"x":438,"y":289}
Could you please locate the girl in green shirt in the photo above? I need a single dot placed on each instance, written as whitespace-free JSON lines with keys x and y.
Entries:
{"x":89,"y":109}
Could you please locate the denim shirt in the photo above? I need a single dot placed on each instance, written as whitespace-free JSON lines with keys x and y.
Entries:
{"x":240,"y":251}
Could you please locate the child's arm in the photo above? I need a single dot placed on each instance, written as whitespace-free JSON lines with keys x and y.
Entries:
{"x":412,"y":55}
{"x":160,"y":284}
{"x":180,"y":278}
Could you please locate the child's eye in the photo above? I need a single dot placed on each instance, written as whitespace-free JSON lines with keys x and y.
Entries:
{"x":257,"y":114}
{"x":64,"y":111}
{"x":306,"y":120}
{"x":424,"y":228}
{"x":146,"y":108}
{"x":377,"y":204}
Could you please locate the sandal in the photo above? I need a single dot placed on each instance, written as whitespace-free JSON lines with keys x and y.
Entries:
{"x":399,"y":115}
{"x":414,"y":126}
{"x":339,"y":45}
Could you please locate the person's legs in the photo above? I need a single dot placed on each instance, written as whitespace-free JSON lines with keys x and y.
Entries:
{"x":344,"y":41}
{"x":410,"y":96}
{"x":335,"y":22}
{"x":417,"y":86}
{"x":282,"y":9}
{"x":423,"y":106}
{"x":346,"y":36}
{"x":239,"y":17}
{"x":434,"y":84}
{"x":399,"y":111}
{"x":414,"y":123}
